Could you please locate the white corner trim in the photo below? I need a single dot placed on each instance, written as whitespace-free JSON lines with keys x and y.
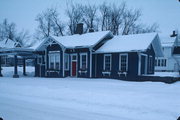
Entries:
{"x":139,"y":64}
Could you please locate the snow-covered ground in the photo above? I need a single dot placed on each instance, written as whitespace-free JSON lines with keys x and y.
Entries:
{"x":9,"y":71}
{"x":29,"y":98}
{"x":166,"y":74}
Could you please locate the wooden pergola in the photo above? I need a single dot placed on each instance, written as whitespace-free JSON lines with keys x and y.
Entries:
{"x":25,"y":53}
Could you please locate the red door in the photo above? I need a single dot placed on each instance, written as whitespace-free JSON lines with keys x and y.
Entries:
{"x":73,"y":68}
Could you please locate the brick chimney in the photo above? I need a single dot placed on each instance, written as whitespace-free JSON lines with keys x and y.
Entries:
{"x":91,"y":30}
{"x":79,"y":28}
{"x":174,"y":34}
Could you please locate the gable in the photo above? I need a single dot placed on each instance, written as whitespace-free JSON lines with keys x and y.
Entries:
{"x":48,"y":41}
{"x":157,"y":46}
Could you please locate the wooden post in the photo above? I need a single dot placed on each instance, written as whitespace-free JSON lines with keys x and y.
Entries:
{"x":0,"y":68}
{"x":35,"y":67}
{"x":15,"y":67}
{"x":24,"y":67}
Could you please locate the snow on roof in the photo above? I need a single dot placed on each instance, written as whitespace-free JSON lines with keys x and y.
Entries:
{"x":125,"y":43}
{"x":36,"y":44}
{"x":166,"y":40}
{"x":7,"y":43}
{"x":85,"y":40}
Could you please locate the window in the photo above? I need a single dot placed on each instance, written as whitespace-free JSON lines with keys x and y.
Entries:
{"x":74,"y":57}
{"x":54,"y":60}
{"x":161,"y":62}
{"x":123,"y":62}
{"x":66,"y":62}
{"x":57,"y":61}
{"x":107,"y":62}
{"x":83,"y":61}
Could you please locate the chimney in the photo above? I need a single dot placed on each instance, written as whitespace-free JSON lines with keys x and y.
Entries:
{"x":174,"y":34}
{"x":91,"y":30}
{"x":79,"y":28}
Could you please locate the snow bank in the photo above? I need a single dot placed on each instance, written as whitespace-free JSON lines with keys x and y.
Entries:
{"x":87,"y":99}
{"x":9,"y":71}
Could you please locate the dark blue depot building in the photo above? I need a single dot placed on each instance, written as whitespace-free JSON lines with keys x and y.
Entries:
{"x":98,"y":55}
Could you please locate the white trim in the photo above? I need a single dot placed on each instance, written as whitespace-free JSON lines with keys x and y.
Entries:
{"x":81,"y":54}
{"x":124,"y":54}
{"x":90,"y":62}
{"x":95,"y":65}
{"x":66,"y":55}
{"x":50,"y":52}
{"x":104,"y":61}
{"x":146,"y":65}
{"x":139,"y":63}
{"x":63,"y":62}
{"x":76,"y":63}
{"x":45,"y":60}
{"x":106,"y":73}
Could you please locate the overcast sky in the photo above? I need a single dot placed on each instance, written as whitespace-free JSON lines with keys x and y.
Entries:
{"x":23,"y":12}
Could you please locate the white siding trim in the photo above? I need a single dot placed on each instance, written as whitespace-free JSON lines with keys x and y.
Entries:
{"x":139,"y":64}
{"x":63,"y":62}
{"x":46,"y":64}
{"x":90,"y":62}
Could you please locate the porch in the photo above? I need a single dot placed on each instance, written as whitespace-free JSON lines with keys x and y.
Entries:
{"x":23,"y":53}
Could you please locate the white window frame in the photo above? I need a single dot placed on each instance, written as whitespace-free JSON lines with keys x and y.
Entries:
{"x":81,"y":54}
{"x":104,"y":60}
{"x":66,"y":55}
{"x":124,"y":54}
{"x":54,"y":53}
{"x":162,"y":62}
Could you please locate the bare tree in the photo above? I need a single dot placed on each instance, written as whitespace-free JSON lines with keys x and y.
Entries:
{"x":75,"y":16}
{"x":23,"y":38}
{"x":141,"y":28}
{"x":89,"y":12}
{"x":58,"y":26}
{"x":130,"y":18}
{"x":7,"y":30}
{"x":45,"y":23}
{"x":117,"y":13}
{"x":49,"y":23}
{"x":105,"y":16}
